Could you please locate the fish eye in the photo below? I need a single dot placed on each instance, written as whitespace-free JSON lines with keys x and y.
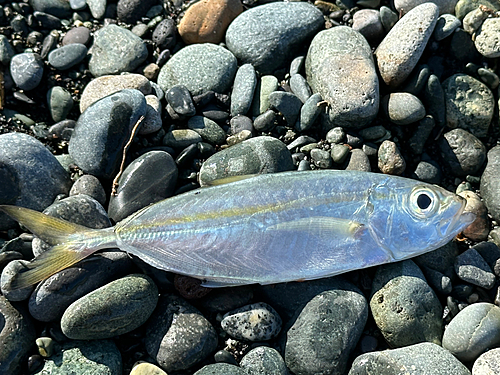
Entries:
{"x":423,"y":202}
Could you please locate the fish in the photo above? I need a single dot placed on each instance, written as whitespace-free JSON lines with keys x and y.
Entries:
{"x":265,"y":229}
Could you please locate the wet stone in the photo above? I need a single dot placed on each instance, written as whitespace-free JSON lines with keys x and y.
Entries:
{"x":180,"y":99}
{"x":26,"y":70}
{"x":209,"y":130}
{"x":309,"y":112}
{"x":243,"y":90}
{"x":471,"y":267}
{"x":181,"y":138}
{"x":67,"y":56}
{"x":265,"y":121}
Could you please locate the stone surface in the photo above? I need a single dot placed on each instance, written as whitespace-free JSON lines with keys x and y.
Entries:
{"x":390,"y":160}
{"x":445,"y":26}
{"x":165,"y":34}
{"x":26,"y":70}
{"x":445,"y":6}
{"x":207,"y":129}
{"x":67,"y":56}
{"x":487,"y":38}
{"x":487,"y":363}
{"x":60,"y":103}
{"x":263,"y":360}
{"x":130,"y":11}
{"x":471,"y":267}
{"x":402,"y":108}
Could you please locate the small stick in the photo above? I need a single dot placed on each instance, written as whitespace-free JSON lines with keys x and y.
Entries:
{"x":115,"y":180}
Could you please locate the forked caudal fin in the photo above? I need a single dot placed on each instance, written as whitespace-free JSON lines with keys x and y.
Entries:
{"x":70,"y":243}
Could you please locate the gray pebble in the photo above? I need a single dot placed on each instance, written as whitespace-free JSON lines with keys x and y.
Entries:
{"x":178,"y":336}
{"x":300,"y":87}
{"x":487,"y":363}
{"x":148,"y":179}
{"x":335,"y":135}
{"x":470,"y":112}
{"x":321,"y":158}
{"x":403,"y":108}
{"x":358,"y":161}
{"x":445,"y":26}
{"x":441,"y":259}
{"x":428,"y":171}
{"x":490,"y":184}
{"x":179,"y":139}
{"x":130,"y":11}
{"x":201,"y":68}
{"x":419,"y":137}
{"x":339,"y":153}
{"x":91,"y":186}
{"x":263,"y":361}
{"x":165,"y":34}
{"x":265,"y":122}
{"x":402,"y":47}
{"x":390,"y":160}
{"x":474,"y":19}
{"x":256,"y":155}
{"x":265,"y":86}
{"x":60,"y":103}
{"x":465,"y":6}
{"x":461,"y":152}
{"x":57,"y":8}
{"x":368,"y":23}
{"x":405,"y":308}
{"x":77,"y":4}
{"x":220,"y":369}
{"x":474,"y":329}
{"x":445,"y":6}
{"x":6,"y":50}
{"x":434,"y":100}
{"x":26,"y":70}
{"x":471,"y":267}
{"x":180,"y":100}
{"x":340,"y":67}
{"x":9,"y":275}
{"x":489,"y":77}
{"x":417,"y":80}
{"x":67,"y":56}
{"x":309,"y":112}
{"x":388,"y":18}
{"x":287,"y":104}
{"x":116,"y":50}
{"x":152,"y":120}
{"x":244,"y":84}
{"x":439,"y":282}
{"x":373,"y":132}
{"x":209,"y":130}
{"x":297,"y":65}
{"x":301,"y":141}
{"x":239,"y":123}
{"x":266,"y":35}
{"x":79,"y":34}
{"x":491,"y":254}
{"x":97,"y":8}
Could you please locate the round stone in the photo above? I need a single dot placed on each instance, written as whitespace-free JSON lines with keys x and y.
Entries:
{"x":67,"y":56}
{"x":60,"y":103}
{"x":487,"y":38}
{"x":207,"y":129}
{"x":77,"y":35}
{"x":264,"y":360}
{"x":164,"y":35}
{"x":403,"y":108}
{"x":26,"y":70}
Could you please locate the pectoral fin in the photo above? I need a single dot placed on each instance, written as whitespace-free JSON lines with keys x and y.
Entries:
{"x":322,"y":225}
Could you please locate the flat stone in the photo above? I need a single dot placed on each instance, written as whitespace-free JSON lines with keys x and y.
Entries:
{"x":67,"y":56}
{"x":340,"y":67}
{"x":264,"y":360}
{"x":287,"y":104}
{"x":26,"y":70}
{"x":60,"y":103}
{"x":471,"y":267}
{"x":58,"y":8}
{"x":300,"y":87}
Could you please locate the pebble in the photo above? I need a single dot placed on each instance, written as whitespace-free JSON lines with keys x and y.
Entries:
{"x":131,"y":11}
{"x":111,"y":310}
{"x":309,"y":112}
{"x":388,"y":18}
{"x":207,"y":129}
{"x":486,"y":40}
{"x":368,"y":23}
{"x":9,"y":274}
{"x":256,"y":155}
{"x":266,"y":121}
{"x":471,"y":267}
{"x":340,"y":67}
{"x":206,"y":21}
{"x":77,"y":35}
{"x":45,"y":346}
{"x":17,"y":335}
{"x":461,"y":152}
{"x":474,"y":19}
{"x":373,"y":132}
{"x":265,"y":86}
{"x":239,"y":123}
{"x":152,"y":120}
{"x":335,"y":135}
{"x":489,"y":77}
{"x":287,"y":104}
{"x":91,"y":186}
{"x":400,"y":51}
{"x":116,"y":50}
{"x":463,"y":7}
{"x":145,"y":368}
{"x":419,"y":138}
{"x":60,"y":103}
{"x":445,"y":26}
{"x":97,"y":8}
{"x":434,"y":100}
{"x":490,"y":253}
{"x":445,"y":6}
{"x":300,"y":87}
{"x":490,"y":184}
{"x":479,"y":229}
{"x":201,"y":68}
{"x":178,"y":336}
{"x":31,"y":176}
{"x":84,"y":357}
{"x":67,"y":56}
{"x":405,"y":308}
{"x":390,"y":160}
{"x":470,"y":112}
{"x":62,"y":129}
{"x":267,"y":35}
{"x":428,"y":170}
{"x":181,"y":138}
{"x":472,"y":331}
{"x":320,"y":158}
{"x":6,"y":50}
{"x":263,"y":360}
{"x":26,"y":70}
{"x":358,"y":161}
{"x":403,"y":108}
{"x":487,"y":363}
{"x":325,"y":332}
{"x":339,"y":153}
{"x":148,"y":179}
{"x":255,"y":322}
{"x":57,"y":8}
{"x":102,"y":131}
{"x":180,"y":100}
{"x":165,"y":34}
{"x":424,"y":358}
{"x":220,"y":369}
{"x":243,"y":90}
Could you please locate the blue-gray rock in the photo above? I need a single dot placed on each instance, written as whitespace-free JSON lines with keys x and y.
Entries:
{"x":373,"y":132}
{"x":148,"y":179}
{"x":207,"y":129}
{"x":434,"y":100}
{"x":472,"y":330}
{"x":17,"y":335}
{"x":67,"y":56}
{"x":255,"y":322}
{"x":490,"y":184}
{"x":165,"y":34}
{"x":470,"y":112}
{"x":114,"y":309}
{"x":461,"y":152}
{"x":297,"y":65}
{"x":179,"y":139}
{"x":180,"y":99}
{"x":6,"y":50}
{"x":265,"y":121}
{"x":491,"y":254}
{"x":60,"y":103}
{"x":26,"y":70}
{"x":103,"y":130}
{"x":31,"y":176}
{"x":419,"y":137}
{"x":287,"y":104}
{"x":116,"y":50}
{"x":9,"y":275}
{"x":325,"y":332}
{"x":388,"y":18}
{"x":243,"y":90}
{"x":321,"y":158}
{"x":402,"y":108}
{"x":487,"y":363}
{"x":84,"y":357}
{"x":130,"y":11}
{"x":97,"y":8}
{"x":58,"y":8}
{"x":257,"y":155}
{"x":54,"y":295}
{"x":390,"y":160}
{"x":77,"y":4}
{"x":79,"y":34}
{"x":239,"y":123}
{"x":400,"y":50}
{"x":47,"y":21}
{"x":300,"y":87}
{"x":309,"y":112}
{"x":62,"y":129}
{"x":263,"y":360}
{"x":358,"y":161}
{"x":220,"y":369}
{"x":471,"y":267}
{"x":152,"y":120}
{"x":201,"y":68}
{"x":91,"y":186}
{"x":428,"y":171}
{"x":178,"y":336}
{"x":368,"y":23}
{"x":442,"y":259}
{"x":424,"y":358}
{"x":486,"y":40}
{"x":489,"y":77}
{"x":267,"y":35}
{"x":445,"y":26}
{"x":405,"y":308}
{"x":340,"y":67}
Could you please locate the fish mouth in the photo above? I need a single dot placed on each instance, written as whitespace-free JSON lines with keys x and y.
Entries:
{"x":450,"y":227}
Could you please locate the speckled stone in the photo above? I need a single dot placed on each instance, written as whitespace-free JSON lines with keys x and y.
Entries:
{"x":402,"y":108}
{"x":402,"y":47}
{"x":131,"y":11}
{"x":340,"y":67}
{"x":445,"y":26}
{"x":145,"y":368}
{"x":79,"y":34}
{"x":287,"y":104}
{"x":390,"y":160}
{"x":488,"y":363}
{"x":243,"y":90}
{"x":6,"y":50}
{"x":263,"y":360}
{"x":487,"y":38}
{"x":358,"y":161}
{"x":445,"y":6}
{"x":67,"y":56}
{"x":91,"y":186}
{"x":201,"y":68}
{"x":26,"y":70}
{"x":209,"y":130}
{"x":220,"y":369}
{"x":471,"y":267}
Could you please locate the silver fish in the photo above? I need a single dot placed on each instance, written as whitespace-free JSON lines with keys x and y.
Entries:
{"x":267,"y":229}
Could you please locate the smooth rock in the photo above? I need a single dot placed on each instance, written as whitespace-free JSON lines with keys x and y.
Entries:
{"x":309,"y":112}
{"x":474,"y":19}
{"x":490,"y":184}
{"x":419,"y":138}
{"x":79,"y":34}
{"x":434,"y":100}
{"x":26,"y":70}
{"x":58,"y":8}
{"x":287,"y":104}
{"x":8,"y":277}
{"x":180,"y":100}
{"x":463,"y":7}
{"x":239,"y":123}
{"x":388,"y":18}
{"x":152,"y":120}
{"x":97,"y":8}
{"x":471,"y":267}
{"x":220,"y":369}
{"x":91,"y":186}
{"x":368,"y":23}
{"x":243,"y":90}
{"x":445,"y":26}
{"x":114,"y":309}
{"x":472,"y":331}
{"x":116,"y":50}
{"x":340,"y":67}
{"x":463,"y":110}
{"x":60,"y":103}
{"x":206,"y":21}
{"x":267,"y":35}
{"x":145,"y":368}
{"x":257,"y":155}
{"x":207,"y":129}
{"x":265,"y":86}
{"x":487,"y":38}
{"x":428,"y":171}
{"x":490,"y":253}
{"x":6,"y":50}
{"x":103,"y":130}
{"x":405,"y":308}
{"x":400,"y":50}
{"x":263,"y":360}
{"x":165,"y":34}
{"x":320,"y":158}
{"x":403,"y":108}
{"x":181,"y":138}
{"x":201,"y":68}
{"x":445,"y":6}
{"x":265,"y":122}
{"x":358,"y":161}
{"x":130,"y":11}
{"x":487,"y":363}
{"x":67,"y":56}
{"x":300,"y":87}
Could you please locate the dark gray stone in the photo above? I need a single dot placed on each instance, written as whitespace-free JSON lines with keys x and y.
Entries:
{"x":179,"y":139}
{"x":130,"y":11}
{"x":490,"y":183}
{"x":434,"y":100}
{"x":417,"y":81}
{"x":358,"y":161}
{"x":58,"y":8}
{"x":428,"y":171}
{"x":26,"y":70}
{"x":239,"y":123}
{"x":6,"y":50}
{"x":309,"y":112}
{"x":265,"y":121}
{"x":287,"y":104}
{"x":180,"y":99}
{"x":207,"y":129}
{"x":321,"y":158}
{"x":419,"y":138}
{"x":79,"y":34}
{"x":445,"y":26}
{"x":402,"y":108}
{"x":490,"y":253}
{"x":471,"y":267}
{"x":67,"y":56}
{"x":47,"y":21}
{"x":91,"y":186}
{"x":368,"y":23}
{"x":165,"y":34}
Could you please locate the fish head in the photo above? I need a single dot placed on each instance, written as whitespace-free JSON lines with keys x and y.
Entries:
{"x":411,"y":218}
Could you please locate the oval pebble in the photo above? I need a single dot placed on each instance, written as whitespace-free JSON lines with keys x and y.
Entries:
{"x":91,"y":186}
{"x":445,"y":6}
{"x":164,"y":35}
{"x":309,"y":112}
{"x":220,"y":369}
{"x":26,"y":70}
{"x":79,"y":34}
{"x":403,"y":108}
{"x":490,"y":184}
{"x":57,"y":8}
{"x":390,"y":160}
{"x":264,"y":360}
{"x":445,"y":26}
{"x":114,"y":309}
{"x":369,"y":24}
{"x":181,"y":138}
{"x":67,"y":56}
{"x":207,"y":129}
{"x":472,"y":330}
{"x":255,"y":322}
{"x":265,"y":86}
{"x":243,"y":90}
{"x":180,"y":100}
{"x":358,"y":161}
{"x":471,"y":267}
{"x":60,"y":103}
{"x":287,"y":104}
{"x":487,"y":363}
{"x":152,"y":120}
{"x":300,"y":87}
{"x":145,"y":368}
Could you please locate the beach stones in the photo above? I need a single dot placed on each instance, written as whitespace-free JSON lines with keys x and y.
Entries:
{"x":266,"y":35}
{"x":400,"y":50}
{"x":340,"y":67}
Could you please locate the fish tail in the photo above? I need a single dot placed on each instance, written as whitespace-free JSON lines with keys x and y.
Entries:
{"x":70,"y":243}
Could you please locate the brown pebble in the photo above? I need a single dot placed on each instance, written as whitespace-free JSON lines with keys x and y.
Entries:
{"x":479,"y":229}
{"x":207,"y":20}
{"x":190,"y":288}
